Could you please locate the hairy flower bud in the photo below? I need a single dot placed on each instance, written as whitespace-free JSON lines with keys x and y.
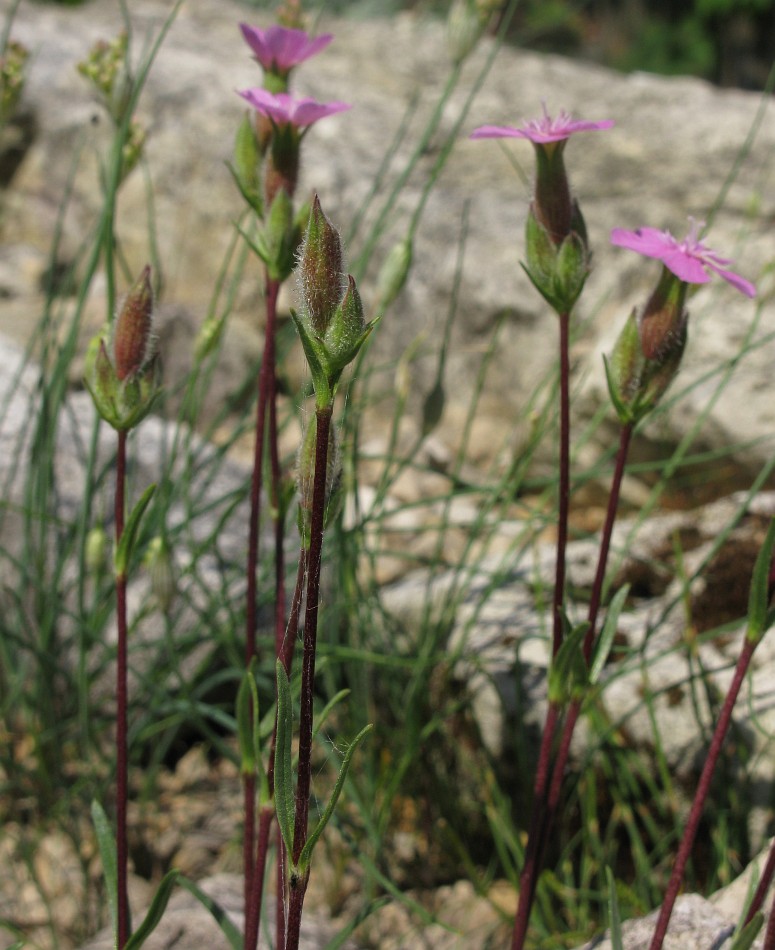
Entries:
{"x":133,"y":336}
{"x":125,"y":388}
{"x":321,"y":269}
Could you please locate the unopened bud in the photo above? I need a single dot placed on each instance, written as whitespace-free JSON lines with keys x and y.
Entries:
{"x":12,"y":65}
{"x":133,"y":337}
{"x":158,"y":561}
{"x":321,"y":269}
{"x":394,"y":272}
{"x":346,"y":328}
{"x":465,"y":25}
{"x":95,"y":549}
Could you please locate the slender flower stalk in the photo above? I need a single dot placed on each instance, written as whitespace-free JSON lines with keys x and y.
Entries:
{"x":701,"y":794}
{"x":122,"y":752}
{"x":121,"y":375}
{"x":558,"y":262}
{"x":267,"y":172}
{"x":298,"y":886}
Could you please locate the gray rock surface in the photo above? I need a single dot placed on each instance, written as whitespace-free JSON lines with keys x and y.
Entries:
{"x":672,"y":149}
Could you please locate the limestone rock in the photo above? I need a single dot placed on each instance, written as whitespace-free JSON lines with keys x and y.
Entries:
{"x":673,"y":146}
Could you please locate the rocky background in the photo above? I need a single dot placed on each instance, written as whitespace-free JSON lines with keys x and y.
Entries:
{"x":669,"y":156}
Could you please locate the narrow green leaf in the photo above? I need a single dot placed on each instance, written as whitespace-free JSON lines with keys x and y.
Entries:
{"x":744,"y":940}
{"x":758,"y":599}
{"x":106,"y":842}
{"x":126,"y":544}
{"x":283,"y":771}
{"x":155,"y":911}
{"x":568,"y":677}
{"x":615,"y":916}
{"x":607,"y":634}
{"x":306,"y":853}
{"x":220,"y":916}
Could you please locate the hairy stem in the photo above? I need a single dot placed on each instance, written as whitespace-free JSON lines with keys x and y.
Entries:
{"x":531,"y":869}
{"x":266,"y":391}
{"x":298,"y":884}
{"x":703,"y":787}
{"x":121,"y":706}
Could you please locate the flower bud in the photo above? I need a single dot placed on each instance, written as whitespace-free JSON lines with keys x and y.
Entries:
{"x":321,"y":269}
{"x":95,"y":549}
{"x":642,"y":367}
{"x":158,"y":561}
{"x":346,"y":328}
{"x":125,"y":389}
{"x":394,"y":272}
{"x":465,"y":25}
{"x":280,"y":237}
{"x":133,"y":337}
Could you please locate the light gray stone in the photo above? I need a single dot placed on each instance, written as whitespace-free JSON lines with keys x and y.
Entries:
{"x":673,"y":147}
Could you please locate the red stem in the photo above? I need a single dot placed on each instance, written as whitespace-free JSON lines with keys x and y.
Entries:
{"x":530,"y":869}
{"x":121,"y":706}
{"x":703,"y":787}
{"x":299,"y":885}
{"x":564,"y":483}
{"x":763,"y":886}
{"x":266,"y":389}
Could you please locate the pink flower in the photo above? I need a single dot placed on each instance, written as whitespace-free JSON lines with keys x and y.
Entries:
{"x":543,"y":131}
{"x":690,"y":260}
{"x":278,"y":49}
{"x":284,"y":109}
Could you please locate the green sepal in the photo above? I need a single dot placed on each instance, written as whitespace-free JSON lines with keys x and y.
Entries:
{"x":281,"y":238}
{"x":247,"y":163}
{"x":121,"y":403}
{"x":558,"y":273}
{"x":622,"y":411}
{"x":306,"y":851}
{"x":607,"y":634}
{"x":106,"y":843}
{"x":129,"y":534}
{"x":758,"y":599}
{"x":314,"y":350}
{"x":568,"y":676}
{"x":155,"y":911}
{"x":283,"y":768}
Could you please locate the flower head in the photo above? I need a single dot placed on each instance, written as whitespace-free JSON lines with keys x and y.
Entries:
{"x":690,"y":260}
{"x":278,"y":49}
{"x":284,"y":109}
{"x":543,"y":131}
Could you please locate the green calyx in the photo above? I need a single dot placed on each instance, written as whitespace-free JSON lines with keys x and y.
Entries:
{"x":557,"y":271}
{"x":123,"y":403}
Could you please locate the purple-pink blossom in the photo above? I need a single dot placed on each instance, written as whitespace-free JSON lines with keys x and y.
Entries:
{"x":690,"y":259}
{"x":278,"y":49}
{"x":543,"y":131}
{"x":284,"y":109}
